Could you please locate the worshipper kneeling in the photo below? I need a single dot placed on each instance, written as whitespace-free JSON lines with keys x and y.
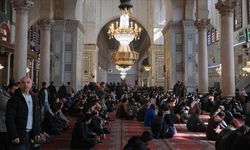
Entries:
{"x":228,"y":138}
{"x":82,"y":136}
{"x":157,"y":124}
{"x":150,"y":114}
{"x":122,"y":110}
{"x":139,"y":142}
{"x":168,"y":129}
{"x":215,"y":126}
{"x":195,"y":124}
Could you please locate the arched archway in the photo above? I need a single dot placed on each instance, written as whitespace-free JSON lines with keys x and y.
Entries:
{"x":106,"y":46}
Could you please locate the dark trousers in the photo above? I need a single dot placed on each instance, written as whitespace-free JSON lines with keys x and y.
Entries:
{"x":3,"y":141}
{"x":23,"y":145}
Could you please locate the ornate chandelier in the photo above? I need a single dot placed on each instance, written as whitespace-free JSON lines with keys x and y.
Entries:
{"x":247,"y":67}
{"x":123,"y":72}
{"x":124,"y":32}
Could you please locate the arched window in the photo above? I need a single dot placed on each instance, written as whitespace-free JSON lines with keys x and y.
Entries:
{"x":213,"y":35}
{"x":4,"y":32}
{"x":208,"y":37}
{"x":217,"y":36}
{"x":34,"y":38}
{"x":248,"y":11}
{"x":2,"y":5}
{"x":238,"y":15}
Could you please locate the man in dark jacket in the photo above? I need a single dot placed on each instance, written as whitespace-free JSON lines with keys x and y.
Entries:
{"x":44,"y":100}
{"x":4,"y":97}
{"x":23,"y":116}
{"x":82,"y":136}
{"x":52,"y":91}
{"x":139,"y":142}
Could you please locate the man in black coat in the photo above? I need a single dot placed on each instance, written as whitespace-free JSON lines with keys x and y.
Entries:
{"x":82,"y":136}
{"x":23,"y":116}
{"x":52,"y":91}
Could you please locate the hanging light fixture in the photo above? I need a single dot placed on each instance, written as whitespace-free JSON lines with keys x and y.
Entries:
{"x":124,"y":32}
{"x":123,"y":69}
{"x":247,"y":67}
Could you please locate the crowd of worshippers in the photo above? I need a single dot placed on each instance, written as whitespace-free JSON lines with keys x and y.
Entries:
{"x":29,"y":116}
{"x":156,"y":108}
{"x":160,"y":111}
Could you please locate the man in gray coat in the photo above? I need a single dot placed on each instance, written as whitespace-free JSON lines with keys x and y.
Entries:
{"x":4,"y":97}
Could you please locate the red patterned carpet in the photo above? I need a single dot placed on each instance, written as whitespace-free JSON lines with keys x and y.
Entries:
{"x":122,"y":130}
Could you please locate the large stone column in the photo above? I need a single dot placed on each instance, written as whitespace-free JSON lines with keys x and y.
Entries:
{"x":44,"y":74}
{"x":227,"y":51}
{"x":202,"y":55}
{"x":170,"y":55}
{"x":20,"y":48}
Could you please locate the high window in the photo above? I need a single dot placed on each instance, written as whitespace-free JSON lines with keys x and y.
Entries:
{"x":238,"y":15}
{"x":34,"y":38}
{"x":208,"y":37}
{"x":212,"y":36}
{"x":248,"y":11}
{"x":2,"y":5}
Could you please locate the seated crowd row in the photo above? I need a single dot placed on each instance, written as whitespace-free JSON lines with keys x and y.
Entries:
{"x":158,"y":109}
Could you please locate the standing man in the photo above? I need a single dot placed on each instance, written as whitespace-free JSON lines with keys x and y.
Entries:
{"x":23,"y":116}
{"x":53,"y":95}
{"x":69,"y":90}
{"x":101,"y":94}
{"x":4,"y":97}
{"x":44,"y":100}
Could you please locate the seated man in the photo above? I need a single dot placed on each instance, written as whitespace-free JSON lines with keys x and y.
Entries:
{"x":150,"y":114}
{"x":122,"y":110}
{"x":139,"y":142}
{"x":215,"y":125}
{"x":156,"y":124}
{"x":195,"y":124}
{"x":82,"y":137}
{"x":168,"y":129}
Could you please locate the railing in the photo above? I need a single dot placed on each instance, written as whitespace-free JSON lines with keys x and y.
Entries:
{"x":242,"y":82}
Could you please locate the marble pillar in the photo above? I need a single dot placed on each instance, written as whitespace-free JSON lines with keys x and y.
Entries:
{"x":21,"y":38}
{"x":227,"y":51}
{"x":44,"y":74}
{"x":202,"y":55}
